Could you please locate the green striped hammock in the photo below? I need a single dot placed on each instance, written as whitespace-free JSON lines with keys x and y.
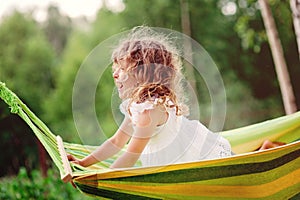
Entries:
{"x":268,"y":174}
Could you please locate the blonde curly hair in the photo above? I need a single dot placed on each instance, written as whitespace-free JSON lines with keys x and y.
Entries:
{"x":156,"y":65}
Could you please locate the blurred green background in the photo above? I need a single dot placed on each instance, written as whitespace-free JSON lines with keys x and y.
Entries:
{"x":39,"y":61}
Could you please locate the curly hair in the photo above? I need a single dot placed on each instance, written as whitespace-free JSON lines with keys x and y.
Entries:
{"x":156,"y":65}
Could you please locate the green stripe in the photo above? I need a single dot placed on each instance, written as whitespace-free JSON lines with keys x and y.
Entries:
{"x":106,"y":193}
{"x":207,"y":173}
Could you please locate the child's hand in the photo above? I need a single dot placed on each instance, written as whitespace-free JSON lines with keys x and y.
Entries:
{"x":73,"y":159}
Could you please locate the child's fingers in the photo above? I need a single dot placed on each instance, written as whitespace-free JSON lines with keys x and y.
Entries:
{"x":267,"y":144}
{"x":71,"y":158}
{"x":279,"y":143}
{"x":76,"y":162}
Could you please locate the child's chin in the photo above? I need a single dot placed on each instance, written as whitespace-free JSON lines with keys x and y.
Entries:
{"x":122,"y":96}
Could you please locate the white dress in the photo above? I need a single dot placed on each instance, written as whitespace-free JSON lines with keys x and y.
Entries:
{"x":179,"y":140}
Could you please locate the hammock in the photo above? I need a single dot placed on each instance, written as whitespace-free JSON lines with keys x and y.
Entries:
{"x":267,"y":174}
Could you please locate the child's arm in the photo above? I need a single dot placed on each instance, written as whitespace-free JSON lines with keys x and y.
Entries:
{"x":145,"y":127}
{"x":109,"y":147}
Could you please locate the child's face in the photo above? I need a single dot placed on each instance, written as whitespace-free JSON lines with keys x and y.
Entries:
{"x":125,"y":81}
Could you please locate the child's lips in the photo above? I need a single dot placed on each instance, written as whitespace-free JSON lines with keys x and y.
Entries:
{"x":119,"y":85}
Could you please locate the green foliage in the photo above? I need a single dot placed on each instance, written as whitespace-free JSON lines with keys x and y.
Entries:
{"x":250,"y":27}
{"x":58,"y":107}
{"x":26,"y":59}
{"x":34,"y":186}
{"x":105,"y":105}
{"x":251,"y":39}
{"x":152,"y":13}
{"x":259,"y":73}
{"x":106,"y":25}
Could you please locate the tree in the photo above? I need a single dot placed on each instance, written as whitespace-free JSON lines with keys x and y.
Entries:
{"x":260,"y":75}
{"x":26,"y":59}
{"x":295,"y":7}
{"x":280,"y":64}
{"x":57,"y":28}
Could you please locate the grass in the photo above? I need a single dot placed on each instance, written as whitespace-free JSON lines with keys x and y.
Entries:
{"x":34,"y":186}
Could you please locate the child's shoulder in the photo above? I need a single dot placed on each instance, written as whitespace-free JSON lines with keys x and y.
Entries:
{"x":129,"y":106}
{"x":142,"y":112}
{"x":134,"y":107}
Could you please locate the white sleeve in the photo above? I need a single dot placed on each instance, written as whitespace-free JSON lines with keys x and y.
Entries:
{"x":124,"y":107}
{"x":137,"y":108}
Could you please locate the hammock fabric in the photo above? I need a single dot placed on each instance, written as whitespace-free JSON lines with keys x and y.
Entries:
{"x":268,"y":174}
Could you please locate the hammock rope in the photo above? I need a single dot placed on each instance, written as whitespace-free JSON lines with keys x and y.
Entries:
{"x":269,"y":174}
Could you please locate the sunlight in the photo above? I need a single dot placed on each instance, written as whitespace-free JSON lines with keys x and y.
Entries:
{"x":229,"y":8}
{"x":74,"y":9}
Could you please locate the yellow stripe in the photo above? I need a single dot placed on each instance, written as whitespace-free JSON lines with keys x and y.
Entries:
{"x":254,"y":191}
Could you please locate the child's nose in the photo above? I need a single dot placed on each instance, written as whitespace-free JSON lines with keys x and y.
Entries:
{"x":116,"y":74}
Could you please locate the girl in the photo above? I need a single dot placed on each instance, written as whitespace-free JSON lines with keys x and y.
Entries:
{"x":147,"y":73}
